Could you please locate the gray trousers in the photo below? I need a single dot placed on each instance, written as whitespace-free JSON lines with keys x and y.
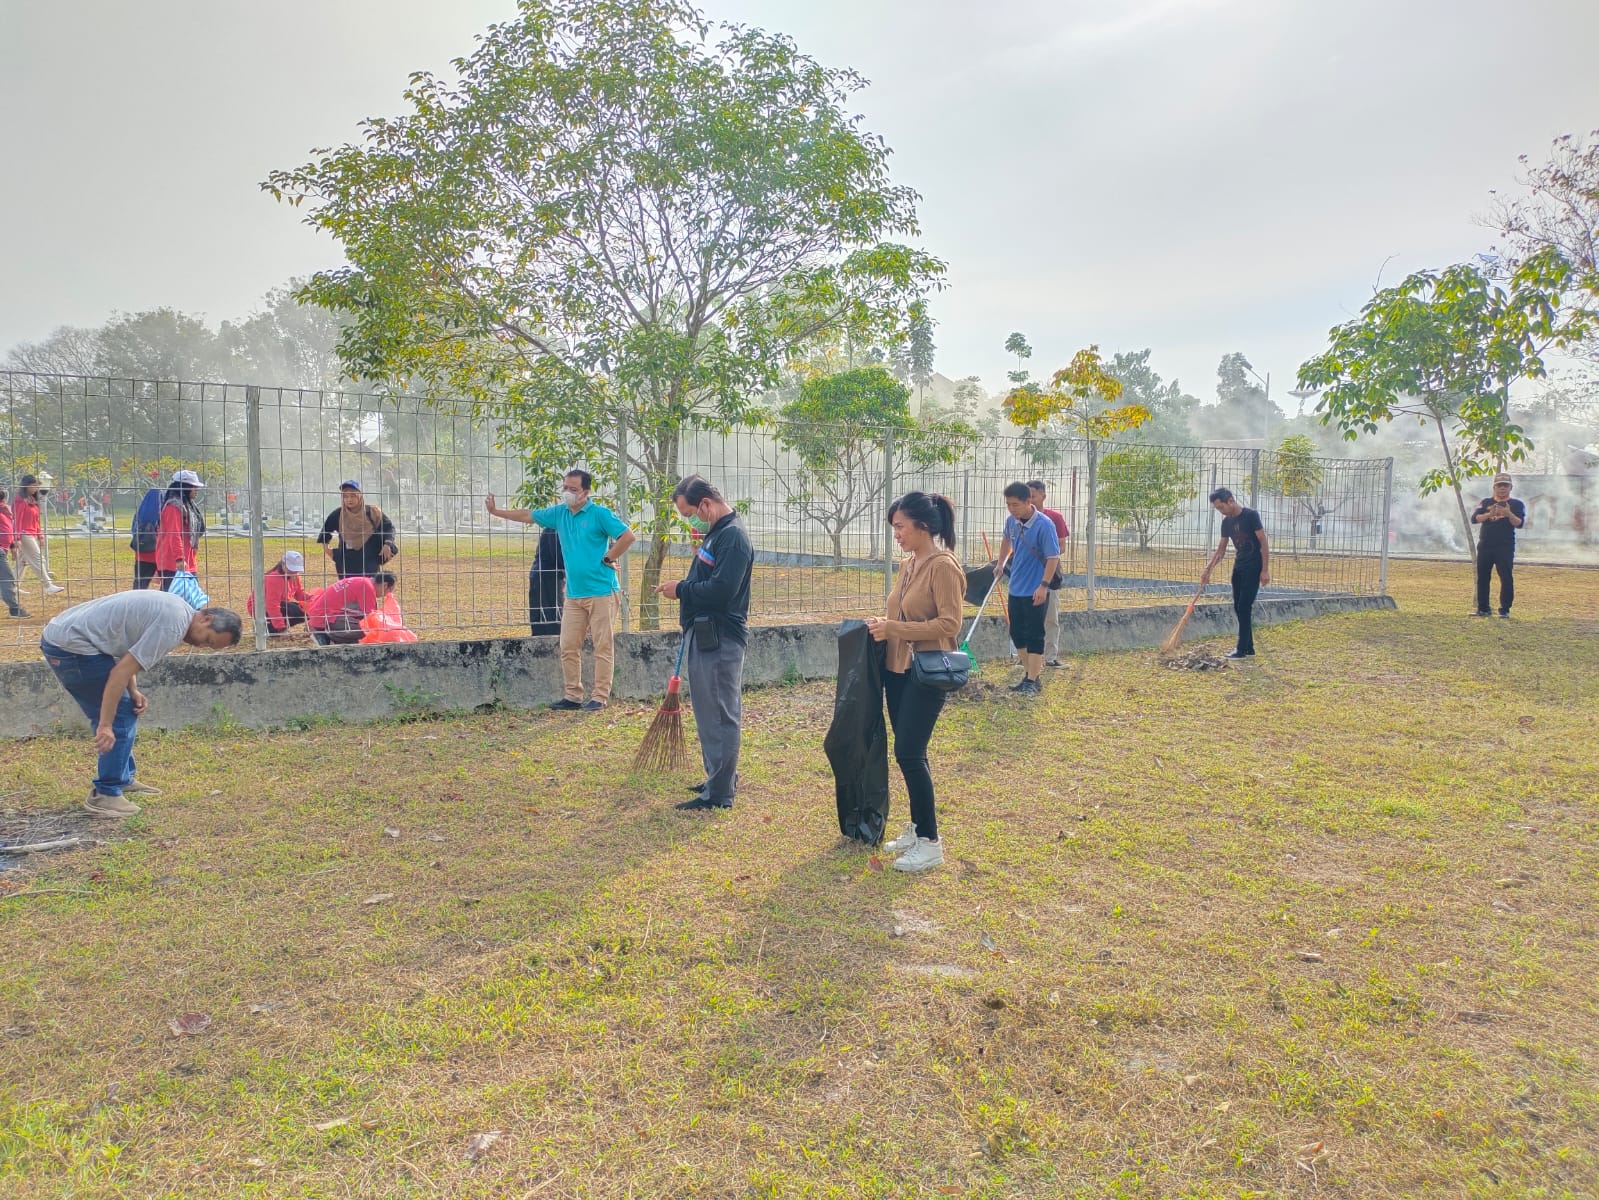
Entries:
{"x":715,"y":678}
{"x":1052,"y":628}
{"x":8,"y":584}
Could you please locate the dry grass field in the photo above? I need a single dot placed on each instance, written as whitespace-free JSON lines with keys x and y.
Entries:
{"x":1322,"y":926}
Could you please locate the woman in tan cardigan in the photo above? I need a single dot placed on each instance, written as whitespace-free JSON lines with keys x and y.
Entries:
{"x":924,"y":613}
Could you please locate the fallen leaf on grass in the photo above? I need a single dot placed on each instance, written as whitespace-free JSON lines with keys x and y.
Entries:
{"x":390,"y":832}
{"x":1314,"y":1153}
{"x":1190,"y":1080}
{"x":1524,"y":721}
{"x":1509,"y":881}
{"x":166,"y":843}
{"x":874,"y":863}
{"x":898,"y":931}
{"x":481,"y":1143}
{"x":189,"y":1024}
{"x":379,"y":898}
{"x":260,"y":1010}
{"x":1501,"y":906}
{"x":988,"y":944}
{"x":1308,"y":956}
{"x":336,"y":1123}
{"x":214,"y":792}
{"x":471,"y":899}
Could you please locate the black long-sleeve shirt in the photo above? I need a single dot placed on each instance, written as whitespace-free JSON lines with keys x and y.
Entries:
{"x":1498,"y":531}
{"x":362,"y":559}
{"x":719,"y":581}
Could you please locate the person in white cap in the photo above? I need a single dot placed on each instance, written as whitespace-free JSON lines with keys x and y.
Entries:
{"x":286,"y":596}
{"x":177,"y":542}
{"x":1497,"y":518}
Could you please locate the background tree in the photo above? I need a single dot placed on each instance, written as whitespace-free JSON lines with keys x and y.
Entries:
{"x":1559,"y":211}
{"x":1016,"y":344}
{"x":1082,"y":400}
{"x":1443,"y":349}
{"x":1143,"y":488}
{"x":919,"y":346}
{"x":616,"y":211}
{"x":1170,"y":408}
{"x":1295,"y":473}
{"x":837,"y":430}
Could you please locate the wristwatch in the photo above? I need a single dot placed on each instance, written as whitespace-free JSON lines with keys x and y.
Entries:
{"x":608,"y":562}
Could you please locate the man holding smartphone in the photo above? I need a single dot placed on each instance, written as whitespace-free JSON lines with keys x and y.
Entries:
{"x":1497,"y":518}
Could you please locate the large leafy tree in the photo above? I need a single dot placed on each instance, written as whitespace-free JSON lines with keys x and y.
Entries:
{"x":1082,"y":398}
{"x":838,"y":428}
{"x":1170,"y":407}
{"x":613,"y":212}
{"x":1442,"y":348}
{"x":1143,"y":488}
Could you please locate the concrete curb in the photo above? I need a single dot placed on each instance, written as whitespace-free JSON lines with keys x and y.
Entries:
{"x":364,"y":683}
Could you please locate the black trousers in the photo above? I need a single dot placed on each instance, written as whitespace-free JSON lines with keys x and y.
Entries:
{"x":913,"y":711}
{"x":1502,"y":559}
{"x":1027,"y":624}
{"x":143,"y":573}
{"x":1246,"y":586}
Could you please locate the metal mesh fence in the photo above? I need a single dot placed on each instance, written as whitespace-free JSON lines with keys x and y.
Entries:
{"x":813,"y":498}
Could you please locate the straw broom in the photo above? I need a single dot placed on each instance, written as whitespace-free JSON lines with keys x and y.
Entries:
{"x":663,"y":744}
{"x":1174,"y":639}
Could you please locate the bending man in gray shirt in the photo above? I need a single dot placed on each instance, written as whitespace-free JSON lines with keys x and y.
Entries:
{"x":97,"y":651}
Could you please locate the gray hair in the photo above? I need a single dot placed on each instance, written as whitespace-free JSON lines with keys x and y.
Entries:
{"x":225,"y":620}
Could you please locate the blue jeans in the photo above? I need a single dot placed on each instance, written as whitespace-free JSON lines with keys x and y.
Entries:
{"x":84,"y":676}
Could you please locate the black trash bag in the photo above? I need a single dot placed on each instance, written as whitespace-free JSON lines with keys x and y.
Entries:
{"x":544,"y":586}
{"x":857,"y":741}
{"x":979,"y":582}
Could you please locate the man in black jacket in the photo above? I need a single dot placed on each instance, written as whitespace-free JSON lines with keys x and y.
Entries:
{"x":714,"y":605}
{"x":1497,"y":519}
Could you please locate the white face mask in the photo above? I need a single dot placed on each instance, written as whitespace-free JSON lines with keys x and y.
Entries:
{"x":569,"y":498}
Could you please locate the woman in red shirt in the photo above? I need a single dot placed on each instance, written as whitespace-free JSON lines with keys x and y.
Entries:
{"x":177,"y":541}
{"x":30,"y":533}
{"x":334,"y":613}
{"x":286,"y":598}
{"x":8,"y":581}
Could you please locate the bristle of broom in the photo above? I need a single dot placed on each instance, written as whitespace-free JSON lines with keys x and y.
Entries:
{"x":1174,"y":639}
{"x":663,"y":749}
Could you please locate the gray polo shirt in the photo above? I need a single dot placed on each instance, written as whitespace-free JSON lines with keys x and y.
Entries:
{"x":146,"y":624}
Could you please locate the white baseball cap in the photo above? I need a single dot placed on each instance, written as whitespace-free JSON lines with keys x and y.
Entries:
{"x":293,"y":561}
{"x":188,"y":477}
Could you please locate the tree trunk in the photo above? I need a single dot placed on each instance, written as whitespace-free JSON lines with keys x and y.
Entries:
{"x":1460,"y":498}
{"x":838,"y":548}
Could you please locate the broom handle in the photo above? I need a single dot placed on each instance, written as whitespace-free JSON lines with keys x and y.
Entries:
{"x":682,"y":642}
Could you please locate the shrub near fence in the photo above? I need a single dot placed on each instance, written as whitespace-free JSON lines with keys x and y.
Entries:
{"x":273,"y":459}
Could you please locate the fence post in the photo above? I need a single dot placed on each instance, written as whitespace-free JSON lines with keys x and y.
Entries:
{"x":888,"y":493}
{"x":1093,"y":522}
{"x":1254,"y":479}
{"x":252,"y":433}
{"x":966,"y":503}
{"x":622,"y":511}
{"x":1387,"y":515}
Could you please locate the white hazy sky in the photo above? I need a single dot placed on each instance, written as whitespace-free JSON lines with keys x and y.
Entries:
{"x":1198,"y":176}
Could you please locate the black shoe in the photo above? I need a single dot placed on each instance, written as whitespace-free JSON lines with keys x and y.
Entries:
{"x":1240,"y":654}
{"x":699,"y":788}
{"x":1054,"y":662}
{"x":1482,"y":614}
{"x":1502,"y":616}
{"x":1020,"y":686}
{"x":701,"y":803}
{"x":19,"y":613}
{"x":594,"y":706}
{"x":565,"y":705}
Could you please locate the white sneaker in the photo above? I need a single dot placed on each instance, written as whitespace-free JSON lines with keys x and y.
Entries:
{"x":902,"y":843}
{"x":923,"y":856}
{"x":54,"y":589}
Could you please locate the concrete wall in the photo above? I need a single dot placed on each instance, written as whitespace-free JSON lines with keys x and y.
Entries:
{"x":357,"y":683}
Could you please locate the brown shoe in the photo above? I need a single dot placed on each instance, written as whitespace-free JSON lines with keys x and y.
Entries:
{"x":134,"y":788}
{"x":112,"y":808}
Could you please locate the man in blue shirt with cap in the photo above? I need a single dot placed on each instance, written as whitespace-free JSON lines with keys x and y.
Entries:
{"x":586,"y":530}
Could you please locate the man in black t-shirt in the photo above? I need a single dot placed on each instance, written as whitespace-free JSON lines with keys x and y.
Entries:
{"x":1497,"y":519}
{"x":1251,"y":562}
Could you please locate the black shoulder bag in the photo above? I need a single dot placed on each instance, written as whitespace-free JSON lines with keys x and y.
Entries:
{"x":941,"y":670}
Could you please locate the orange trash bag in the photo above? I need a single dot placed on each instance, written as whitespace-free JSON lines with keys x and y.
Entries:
{"x":385,"y":624}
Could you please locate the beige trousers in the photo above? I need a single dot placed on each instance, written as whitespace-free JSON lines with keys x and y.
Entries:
{"x":30,"y":555}
{"x":593,"y":617}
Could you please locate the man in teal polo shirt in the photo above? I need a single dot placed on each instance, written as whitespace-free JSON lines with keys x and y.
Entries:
{"x":586,"y":531}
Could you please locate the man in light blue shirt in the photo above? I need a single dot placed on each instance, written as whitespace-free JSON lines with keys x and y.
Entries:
{"x":1032,"y":557}
{"x":586,"y":531}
